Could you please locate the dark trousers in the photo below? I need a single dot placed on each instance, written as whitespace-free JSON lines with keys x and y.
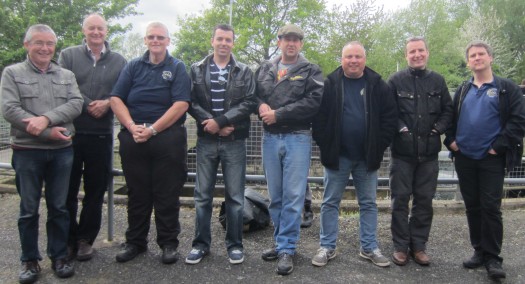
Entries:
{"x":155,"y":172}
{"x":411,"y":228}
{"x":481,"y":184}
{"x":92,"y":159}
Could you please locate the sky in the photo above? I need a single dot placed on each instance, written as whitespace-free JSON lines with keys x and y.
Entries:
{"x":167,"y":11}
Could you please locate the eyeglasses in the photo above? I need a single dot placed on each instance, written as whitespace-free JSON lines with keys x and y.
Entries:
{"x":39,"y":43}
{"x":152,"y":37}
{"x":222,"y":80}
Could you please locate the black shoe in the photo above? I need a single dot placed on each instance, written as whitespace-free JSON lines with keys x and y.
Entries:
{"x":63,"y":268}
{"x":128,"y":252}
{"x":269,"y":254}
{"x":285,"y":264}
{"x":308,"y":218}
{"x":29,"y":272}
{"x":475,"y":261}
{"x":169,"y":255}
{"x":494,"y":269}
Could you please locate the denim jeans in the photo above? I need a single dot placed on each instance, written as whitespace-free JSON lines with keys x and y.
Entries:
{"x":365,"y":183}
{"x":92,"y":161}
{"x":232,"y":156}
{"x":286,"y":160}
{"x":33,"y":168}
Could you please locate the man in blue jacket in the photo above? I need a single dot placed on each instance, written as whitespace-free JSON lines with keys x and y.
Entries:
{"x":485,"y":139}
{"x":355,"y":124}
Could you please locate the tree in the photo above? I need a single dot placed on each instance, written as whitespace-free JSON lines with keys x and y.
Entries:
{"x":130,"y":45}
{"x":63,"y":16}
{"x":256,"y":24}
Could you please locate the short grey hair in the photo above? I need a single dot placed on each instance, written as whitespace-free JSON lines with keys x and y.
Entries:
{"x":157,"y":25}
{"x":479,"y":43}
{"x":353,"y":42}
{"x":94,"y":15}
{"x":38,"y":28}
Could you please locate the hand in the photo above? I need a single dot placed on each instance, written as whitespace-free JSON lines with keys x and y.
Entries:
{"x":56,"y":134}
{"x":211,"y":126}
{"x":268,"y":117}
{"x":98,"y":108}
{"x":492,"y":152}
{"x":454,"y":147}
{"x":227,"y":130}
{"x":37,"y":124}
{"x":140,"y":133}
{"x":264,"y":108}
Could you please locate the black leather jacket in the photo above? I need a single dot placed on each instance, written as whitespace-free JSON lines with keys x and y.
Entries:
{"x":512,"y":115}
{"x":424,"y":104}
{"x":295,"y":98}
{"x":239,"y":100}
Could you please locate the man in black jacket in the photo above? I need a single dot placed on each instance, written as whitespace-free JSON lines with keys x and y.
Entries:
{"x":355,"y":124}
{"x":96,"y":69}
{"x":486,"y":137}
{"x":289,"y":90}
{"x":222,"y":99}
{"x":425,"y":111}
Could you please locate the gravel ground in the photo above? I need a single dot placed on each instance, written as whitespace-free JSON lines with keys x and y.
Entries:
{"x":448,"y":246}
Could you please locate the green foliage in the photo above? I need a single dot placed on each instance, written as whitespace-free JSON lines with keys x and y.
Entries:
{"x":63,"y":16}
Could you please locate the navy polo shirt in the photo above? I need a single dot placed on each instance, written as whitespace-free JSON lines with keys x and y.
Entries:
{"x":149,"y":90}
{"x":479,"y":121}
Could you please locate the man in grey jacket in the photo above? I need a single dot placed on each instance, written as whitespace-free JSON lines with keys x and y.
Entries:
{"x":96,"y":69}
{"x":40,"y":101}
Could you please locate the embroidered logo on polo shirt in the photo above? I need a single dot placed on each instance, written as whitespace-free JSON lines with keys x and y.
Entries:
{"x":166,"y":75}
{"x":492,"y":92}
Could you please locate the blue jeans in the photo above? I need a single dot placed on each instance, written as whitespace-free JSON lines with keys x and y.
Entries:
{"x":365,"y":183}
{"x":232,"y":156}
{"x":286,"y":160}
{"x":33,"y":168}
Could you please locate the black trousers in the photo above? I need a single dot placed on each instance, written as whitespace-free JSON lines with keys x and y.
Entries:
{"x":411,"y":228}
{"x":481,"y":184}
{"x":92,"y":159}
{"x":155,"y":172}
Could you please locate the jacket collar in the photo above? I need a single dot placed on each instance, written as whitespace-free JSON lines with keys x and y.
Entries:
{"x":206,"y":61}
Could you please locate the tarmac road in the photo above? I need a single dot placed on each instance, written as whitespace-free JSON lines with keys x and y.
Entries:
{"x":448,"y":246}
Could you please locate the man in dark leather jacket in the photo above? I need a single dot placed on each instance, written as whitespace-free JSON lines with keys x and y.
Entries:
{"x":425,"y":111}
{"x":289,"y":91}
{"x":222,"y":99}
{"x":355,"y":124}
{"x":486,"y":137}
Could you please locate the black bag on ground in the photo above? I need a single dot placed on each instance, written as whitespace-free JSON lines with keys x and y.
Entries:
{"x":255,"y":213}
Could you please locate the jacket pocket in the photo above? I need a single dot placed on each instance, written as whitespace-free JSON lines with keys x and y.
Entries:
{"x":434,"y":102}
{"x":433,"y":144}
{"x":28,"y":87}
{"x":237,"y":91}
{"x":405,"y":101}
{"x":61,"y":90}
{"x":404,"y":143}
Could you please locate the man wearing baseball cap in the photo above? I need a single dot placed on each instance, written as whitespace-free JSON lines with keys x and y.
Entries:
{"x":289,"y":92}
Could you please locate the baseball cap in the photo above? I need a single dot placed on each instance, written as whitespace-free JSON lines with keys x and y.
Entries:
{"x":290,"y":29}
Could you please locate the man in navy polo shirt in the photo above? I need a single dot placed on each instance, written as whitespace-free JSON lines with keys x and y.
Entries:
{"x":150,"y":100}
{"x":485,"y":139}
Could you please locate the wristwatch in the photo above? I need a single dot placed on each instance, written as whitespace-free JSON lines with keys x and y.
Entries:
{"x":153,"y":130}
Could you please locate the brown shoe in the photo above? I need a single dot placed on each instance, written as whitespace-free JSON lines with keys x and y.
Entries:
{"x":85,"y":251}
{"x":421,"y":257}
{"x":400,"y":258}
